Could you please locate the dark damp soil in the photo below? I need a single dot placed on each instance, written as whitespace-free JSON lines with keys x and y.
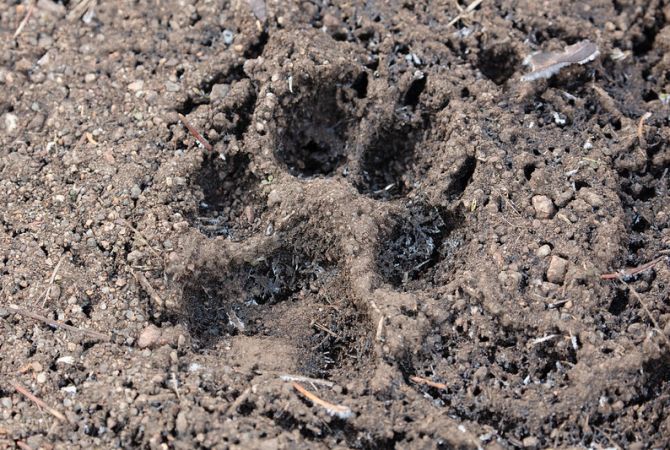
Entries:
{"x":389,"y":217}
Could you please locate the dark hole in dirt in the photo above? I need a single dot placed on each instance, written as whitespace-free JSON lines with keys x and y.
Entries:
{"x":387,"y":163}
{"x":498,"y":63}
{"x":619,"y":302}
{"x":412,"y":245}
{"x":639,"y":223}
{"x":528,"y":170}
{"x":234,"y":300}
{"x":360,"y":85}
{"x":314,"y":141}
{"x":256,"y":49}
{"x":579,"y":184}
{"x":230,"y":197}
{"x":462,"y":178}
{"x":414,"y":91}
{"x":649,"y":96}
{"x":657,"y":376}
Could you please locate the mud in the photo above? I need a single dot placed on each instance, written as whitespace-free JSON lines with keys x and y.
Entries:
{"x":388,"y":210}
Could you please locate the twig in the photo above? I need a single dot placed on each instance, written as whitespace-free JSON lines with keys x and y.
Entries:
{"x":640,"y":129}
{"x":379,"y":336}
{"x":195,"y":133}
{"x":471,"y":7}
{"x":326,"y":330}
{"x":609,"y":438}
{"x":302,"y":379}
{"x":23,"y":391}
{"x":23,"y":445}
{"x":139,"y":233}
{"x":25,"y":20}
{"x":239,"y":400}
{"x":427,"y":382}
{"x":341,"y":411}
{"x":148,"y":288}
{"x":58,"y":323}
{"x":51,"y":280}
{"x":630,"y":271}
{"x":175,"y":385}
{"x":79,"y":10}
{"x":646,"y":310}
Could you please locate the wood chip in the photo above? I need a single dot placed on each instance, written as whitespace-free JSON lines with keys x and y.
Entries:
{"x":546,"y":64}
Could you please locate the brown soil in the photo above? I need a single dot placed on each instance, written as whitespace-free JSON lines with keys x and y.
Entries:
{"x":394,"y":203}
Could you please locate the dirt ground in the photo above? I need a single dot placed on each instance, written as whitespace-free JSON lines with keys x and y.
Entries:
{"x":389,"y":219}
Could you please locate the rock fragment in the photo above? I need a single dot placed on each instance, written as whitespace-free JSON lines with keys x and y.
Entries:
{"x":557,"y":269}
{"x":149,"y":337}
{"x":544,"y":207}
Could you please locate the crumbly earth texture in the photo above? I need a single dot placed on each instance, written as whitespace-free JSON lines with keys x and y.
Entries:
{"x":387,"y":210}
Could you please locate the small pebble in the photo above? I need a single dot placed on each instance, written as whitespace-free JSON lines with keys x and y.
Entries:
{"x":149,"y":336}
{"x":136,"y":85}
{"x":181,"y":424}
{"x":591,"y":197}
{"x":544,"y":207}
{"x":90,"y":77}
{"x":557,"y":269}
{"x":135,"y":192}
{"x":228,"y":37}
{"x":219,"y":91}
{"x":530,"y":441}
{"x":41,"y":377}
{"x":543,"y":251}
{"x":171,"y":86}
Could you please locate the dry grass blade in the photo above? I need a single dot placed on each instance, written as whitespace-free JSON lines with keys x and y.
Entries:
{"x":25,"y":20}
{"x":341,"y":411}
{"x":45,"y":296}
{"x":427,"y":382}
{"x":59,"y":324}
{"x":302,"y":379}
{"x":23,"y":391}
{"x":624,"y":273}
{"x":471,"y":7}
{"x":643,"y":304}
{"x":195,"y":133}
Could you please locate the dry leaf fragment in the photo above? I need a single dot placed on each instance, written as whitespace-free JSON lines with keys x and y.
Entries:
{"x":546,"y":64}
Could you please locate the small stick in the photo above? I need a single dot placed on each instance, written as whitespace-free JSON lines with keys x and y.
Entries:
{"x":23,"y":391}
{"x":24,"y":21}
{"x":58,"y":323}
{"x":631,"y":270}
{"x":341,"y":411}
{"x":300,"y":378}
{"x":23,"y":445}
{"x":51,"y":281}
{"x":379,"y":336}
{"x":646,"y":310}
{"x":640,"y":129}
{"x":326,"y":330}
{"x":195,"y":133}
{"x":239,"y":400}
{"x":148,"y":287}
{"x":471,"y":7}
{"x":427,"y":382}
{"x":139,"y":233}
